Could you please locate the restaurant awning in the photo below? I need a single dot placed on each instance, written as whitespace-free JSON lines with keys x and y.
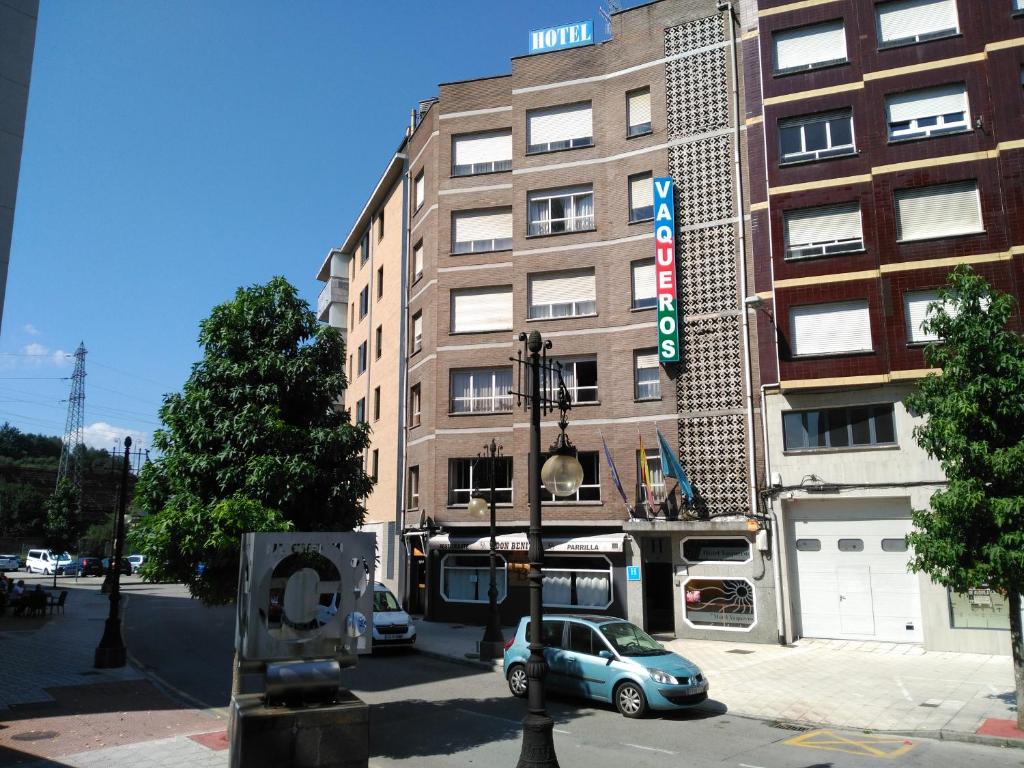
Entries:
{"x":511,"y":542}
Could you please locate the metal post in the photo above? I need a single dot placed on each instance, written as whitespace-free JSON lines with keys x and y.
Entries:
{"x":493,"y":644}
{"x":111,"y":651}
{"x":538,"y":740}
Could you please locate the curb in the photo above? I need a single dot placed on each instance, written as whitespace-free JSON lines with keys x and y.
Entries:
{"x":464,"y":661}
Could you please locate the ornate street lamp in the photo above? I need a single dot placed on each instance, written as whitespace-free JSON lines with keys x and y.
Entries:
{"x":493,"y":644}
{"x":111,"y":651}
{"x":562,"y":475}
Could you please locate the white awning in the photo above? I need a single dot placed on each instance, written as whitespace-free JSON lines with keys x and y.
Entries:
{"x":511,"y":542}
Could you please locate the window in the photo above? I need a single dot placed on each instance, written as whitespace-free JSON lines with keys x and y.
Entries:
{"x":895,"y":545}
{"x":720,"y":603}
{"x":364,"y":301}
{"x":808,"y":545}
{"x":641,"y":197}
{"x":362,"y":358}
{"x":829,"y":329}
{"x":477,"y":310}
{"x":804,"y":139}
{"x":820,"y":45}
{"x":375,"y":464}
{"x":927,"y":112}
{"x":466,"y":578}
{"x":378,"y":341}
{"x":562,"y":294}
{"x":417,"y":332}
{"x":364,"y":247}
{"x":380,"y":225}
{"x":468,"y":475}
{"x":376,"y":404}
{"x":414,"y":487}
{"x":657,"y":479}
{"x":414,"y":405}
{"x":582,"y":639}
{"x":850,"y":545}
{"x":482,"y":231}
{"x":577,"y":582}
{"x":580,"y":377}
{"x":563,"y":127}
{"x":420,"y":191}
{"x":638,"y":112}
{"x":853,"y":427}
{"x":645,"y":296}
{"x":380,"y":283}
{"x":590,"y":488}
{"x":944,"y":210}
{"x":905,"y":22}
{"x":417,"y":261}
{"x":646,"y":375}
{"x":350,"y":367}
{"x":915,"y":311}
{"x":488,"y":152}
{"x":481,"y":390}
{"x":824,"y":231}
{"x":361,"y":410}
{"x":561,"y":210}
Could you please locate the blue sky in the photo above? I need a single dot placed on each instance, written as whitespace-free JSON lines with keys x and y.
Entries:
{"x":178,"y":149}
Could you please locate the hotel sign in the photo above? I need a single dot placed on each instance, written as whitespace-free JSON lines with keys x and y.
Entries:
{"x":566,"y":36}
{"x":665,"y":270}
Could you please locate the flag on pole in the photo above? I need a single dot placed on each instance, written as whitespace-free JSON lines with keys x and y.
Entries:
{"x":670,"y":467}
{"x":645,"y":474}
{"x":615,"y":476}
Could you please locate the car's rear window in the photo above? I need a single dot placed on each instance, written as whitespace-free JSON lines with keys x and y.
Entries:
{"x":551,"y":632}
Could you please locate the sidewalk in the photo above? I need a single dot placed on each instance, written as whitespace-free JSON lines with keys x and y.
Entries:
{"x":832,"y":683}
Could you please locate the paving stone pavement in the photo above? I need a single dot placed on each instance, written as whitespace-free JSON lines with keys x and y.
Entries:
{"x":163,"y":753}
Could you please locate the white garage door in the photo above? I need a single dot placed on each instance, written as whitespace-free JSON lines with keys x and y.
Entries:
{"x":851,"y":569}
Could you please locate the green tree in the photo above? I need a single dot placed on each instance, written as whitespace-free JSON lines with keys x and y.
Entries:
{"x":256,"y":421}
{"x":974,"y":411}
{"x":62,"y":519}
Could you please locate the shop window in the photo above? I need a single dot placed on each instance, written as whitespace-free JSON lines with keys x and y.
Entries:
{"x":577,"y":582}
{"x":723,"y":550}
{"x":851,"y":545}
{"x":466,"y":578}
{"x":720,"y":603}
{"x":980,"y":608}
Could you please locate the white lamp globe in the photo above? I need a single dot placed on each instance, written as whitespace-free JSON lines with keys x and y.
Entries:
{"x":479,"y":506}
{"x":562,"y":474}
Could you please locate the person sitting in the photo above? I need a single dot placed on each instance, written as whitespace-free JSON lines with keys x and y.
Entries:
{"x":17,"y":597}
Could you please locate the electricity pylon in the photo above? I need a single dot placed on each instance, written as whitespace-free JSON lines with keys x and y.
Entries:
{"x":74,"y":429}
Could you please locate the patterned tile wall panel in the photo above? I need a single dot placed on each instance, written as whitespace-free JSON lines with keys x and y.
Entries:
{"x":711,"y":380}
{"x":716,"y":461}
{"x":708,"y":282}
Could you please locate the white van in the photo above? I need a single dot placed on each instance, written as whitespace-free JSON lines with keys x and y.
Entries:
{"x":391,"y":625}
{"x":45,"y":561}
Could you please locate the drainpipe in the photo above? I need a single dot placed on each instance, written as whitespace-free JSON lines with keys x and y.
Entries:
{"x":403,"y":556}
{"x":776,"y":527}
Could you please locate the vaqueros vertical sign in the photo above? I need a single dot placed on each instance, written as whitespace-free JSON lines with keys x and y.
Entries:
{"x":665,"y":270}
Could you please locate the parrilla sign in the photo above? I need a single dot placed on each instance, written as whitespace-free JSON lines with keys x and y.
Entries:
{"x":566,"y":36}
{"x":665,"y":270}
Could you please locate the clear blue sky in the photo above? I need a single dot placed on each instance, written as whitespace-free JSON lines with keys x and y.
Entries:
{"x":178,"y":149}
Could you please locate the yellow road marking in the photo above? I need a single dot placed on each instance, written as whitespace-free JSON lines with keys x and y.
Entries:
{"x":882,"y":747}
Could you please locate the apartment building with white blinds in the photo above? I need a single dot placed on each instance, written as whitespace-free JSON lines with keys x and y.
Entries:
{"x":890,"y":136}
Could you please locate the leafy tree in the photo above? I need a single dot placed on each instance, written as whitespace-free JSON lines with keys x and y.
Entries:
{"x":62,"y":519}
{"x":21,"y":509}
{"x":974,"y":532}
{"x":257,"y":421}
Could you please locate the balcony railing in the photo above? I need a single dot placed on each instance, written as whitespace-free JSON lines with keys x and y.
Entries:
{"x":335,"y":291}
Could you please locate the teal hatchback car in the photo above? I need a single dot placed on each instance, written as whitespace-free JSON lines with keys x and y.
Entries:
{"x":607,"y":659}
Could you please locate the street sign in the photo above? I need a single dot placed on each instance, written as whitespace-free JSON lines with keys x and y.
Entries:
{"x":632,"y":573}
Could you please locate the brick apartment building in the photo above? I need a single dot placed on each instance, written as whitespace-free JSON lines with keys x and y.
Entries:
{"x":887,"y":146}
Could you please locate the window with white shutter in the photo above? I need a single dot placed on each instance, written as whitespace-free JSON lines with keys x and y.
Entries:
{"x":477,"y":310}
{"x":420,"y":191}
{"x":417,"y":261}
{"x":816,"y":137}
{"x":904,"y":22}
{"x":646,"y":375}
{"x":488,"y":152}
{"x":819,"y":45}
{"x":945,"y":210}
{"x":641,"y":197}
{"x":638,"y":112}
{"x":563,"y":127}
{"x":823,"y":231}
{"x":481,"y":231}
{"x":915,"y":311}
{"x":927,"y":112}
{"x":645,"y":295}
{"x":830,"y":329}
{"x":563,"y":294}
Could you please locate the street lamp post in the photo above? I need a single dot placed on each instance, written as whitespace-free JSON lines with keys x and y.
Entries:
{"x":111,"y":651}
{"x":562,"y":475}
{"x":493,"y":644}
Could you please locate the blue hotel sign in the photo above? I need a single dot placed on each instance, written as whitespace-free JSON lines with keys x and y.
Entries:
{"x":566,"y":36}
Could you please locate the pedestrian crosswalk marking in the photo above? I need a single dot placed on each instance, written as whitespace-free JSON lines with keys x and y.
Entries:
{"x":871,"y":745}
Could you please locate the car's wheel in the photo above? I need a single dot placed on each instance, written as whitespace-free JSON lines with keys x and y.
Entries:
{"x":517,"y":681}
{"x":46,"y":571}
{"x":630,"y":700}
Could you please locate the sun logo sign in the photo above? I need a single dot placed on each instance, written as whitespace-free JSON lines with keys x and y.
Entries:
{"x":665,"y":270}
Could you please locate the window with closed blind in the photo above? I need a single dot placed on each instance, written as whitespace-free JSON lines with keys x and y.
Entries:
{"x":556,"y":211}
{"x":944,"y":210}
{"x":477,"y":310}
{"x":638,"y":112}
{"x":803,"y":139}
{"x":645,"y":294}
{"x":641,"y":197}
{"x":567,"y":126}
{"x":646,"y":375}
{"x":823,"y":231}
{"x":417,"y":261}
{"x":818,"y":45}
{"x":476,"y":153}
{"x":927,"y":112}
{"x":859,"y":426}
{"x":420,"y":191}
{"x":905,"y":22}
{"x":915,"y":312}
{"x":830,"y":329}
{"x":481,"y":231}
{"x":562,"y":294}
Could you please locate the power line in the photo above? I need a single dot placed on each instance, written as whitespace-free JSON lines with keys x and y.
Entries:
{"x":35,"y":378}
{"x":133,"y":375}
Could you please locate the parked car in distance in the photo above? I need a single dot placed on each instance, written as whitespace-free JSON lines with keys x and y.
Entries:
{"x":391,"y":625}
{"x":137,"y":562}
{"x":607,"y":659}
{"x":126,"y":567}
{"x":10,"y":563}
{"x":89,"y":566}
{"x":45,"y":561}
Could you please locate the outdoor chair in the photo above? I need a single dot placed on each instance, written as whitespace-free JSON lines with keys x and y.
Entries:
{"x":58,"y":602}
{"x":36,"y":603}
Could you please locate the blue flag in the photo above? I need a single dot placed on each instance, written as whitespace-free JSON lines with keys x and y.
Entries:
{"x":670,"y":467}
{"x":615,"y":475}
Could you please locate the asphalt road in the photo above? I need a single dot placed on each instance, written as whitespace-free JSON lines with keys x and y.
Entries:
{"x":432,"y":712}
